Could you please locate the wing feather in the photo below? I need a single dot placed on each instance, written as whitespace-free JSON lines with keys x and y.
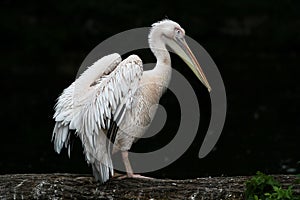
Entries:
{"x":95,"y":104}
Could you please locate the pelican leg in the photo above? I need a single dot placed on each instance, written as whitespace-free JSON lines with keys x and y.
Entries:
{"x":128,"y":168}
{"x":127,"y":164}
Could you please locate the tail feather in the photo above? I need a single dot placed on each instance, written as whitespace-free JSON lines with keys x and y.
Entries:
{"x":102,"y":172}
{"x":98,"y":155}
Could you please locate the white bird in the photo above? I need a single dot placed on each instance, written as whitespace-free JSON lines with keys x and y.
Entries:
{"x":111,"y":103}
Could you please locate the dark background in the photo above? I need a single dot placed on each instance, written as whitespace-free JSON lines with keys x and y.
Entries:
{"x":254,"y":43}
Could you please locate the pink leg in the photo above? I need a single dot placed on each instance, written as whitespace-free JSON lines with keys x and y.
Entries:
{"x":127,"y":163}
{"x":128,"y":168}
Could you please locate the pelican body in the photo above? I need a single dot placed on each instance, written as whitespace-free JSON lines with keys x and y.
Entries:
{"x":113,"y":102}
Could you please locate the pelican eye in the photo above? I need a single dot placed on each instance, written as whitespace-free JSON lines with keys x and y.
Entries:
{"x":178,"y":31}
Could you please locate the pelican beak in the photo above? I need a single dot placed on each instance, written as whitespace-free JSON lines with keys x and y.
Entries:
{"x":179,"y":45}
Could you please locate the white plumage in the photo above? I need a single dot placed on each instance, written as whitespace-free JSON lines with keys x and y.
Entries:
{"x":112,"y":101}
{"x":89,"y":113}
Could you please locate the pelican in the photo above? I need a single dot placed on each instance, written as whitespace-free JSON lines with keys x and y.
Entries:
{"x":112,"y":101}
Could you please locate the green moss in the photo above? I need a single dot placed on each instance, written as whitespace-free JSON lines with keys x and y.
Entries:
{"x":265,"y":187}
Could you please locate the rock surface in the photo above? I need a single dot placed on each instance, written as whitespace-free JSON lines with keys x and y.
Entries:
{"x":75,"y":186}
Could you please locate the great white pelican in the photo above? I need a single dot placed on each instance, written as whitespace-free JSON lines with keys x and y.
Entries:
{"x":110,"y":104}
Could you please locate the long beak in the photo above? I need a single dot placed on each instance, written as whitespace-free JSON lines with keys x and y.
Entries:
{"x":181,"y":48}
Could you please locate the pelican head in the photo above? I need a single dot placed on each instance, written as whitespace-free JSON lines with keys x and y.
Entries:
{"x":171,"y":34}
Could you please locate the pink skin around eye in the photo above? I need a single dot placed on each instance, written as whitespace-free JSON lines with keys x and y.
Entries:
{"x":179,"y":31}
